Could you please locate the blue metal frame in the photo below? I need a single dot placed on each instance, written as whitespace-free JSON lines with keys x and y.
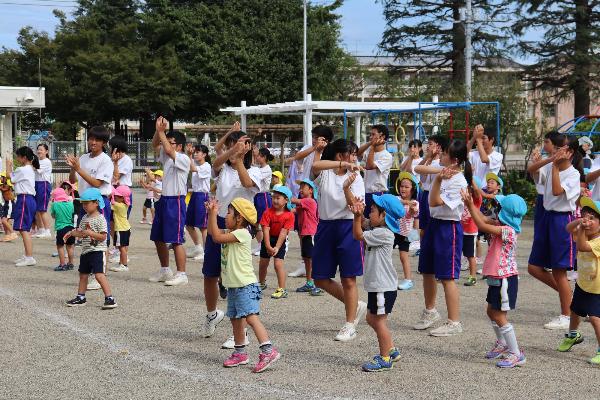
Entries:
{"x":571,"y":129}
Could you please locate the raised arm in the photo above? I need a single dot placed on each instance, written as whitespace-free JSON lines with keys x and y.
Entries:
{"x":73,"y":162}
{"x":358,"y":209}
{"x":321,"y":165}
{"x":189,"y":150}
{"x":478,"y":218}
{"x":217,"y":235}
{"x":363,"y":148}
{"x":221,"y":142}
{"x":160,"y":139}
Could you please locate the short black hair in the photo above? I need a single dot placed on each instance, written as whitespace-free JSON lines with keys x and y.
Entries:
{"x":100,"y":133}
{"x":119,"y":143}
{"x":178,"y":136}
{"x":442,"y":141}
{"x":323,"y":131}
{"x":590,"y":211}
{"x":383,"y":130}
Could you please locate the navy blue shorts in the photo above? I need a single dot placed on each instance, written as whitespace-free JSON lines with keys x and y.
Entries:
{"x":307,"y":243}
{"x":469,"y":243}
{"x":93,"y":263}
{"x":380,"y":303}
{"x":106,"y":212}
{"x":424,"y":216}
{"x":262,"y":202}
{"x":212,"y":254}
{"x":401,"y":242}
{"x":196,"y":214}
{"x":149,"y":203}
{"x":130,"y":205}
{"x":335,"y":246}
{"x":43,"y":189}
{"x":369,"y":202}
{"x":60,"y":235}
{"x":502,"y":293}
{"x":584,"y":303}
{"x":243,"y":301}
{"x":441,"y":249}
{"x":6,"y":209}
{"x":553,"y":247}
{"x":168,"y":225}
{"x":538,"y":212}
{"x":23,"y":213}
{"x":121,"y":239}
{"x":280,"y":254}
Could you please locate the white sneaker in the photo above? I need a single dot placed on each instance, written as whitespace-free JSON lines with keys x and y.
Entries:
{"x":230,"y":342}
{"x":117,"y":259}
{"x":256,"y":253}
{"x":178,"y":279}
{"x":479,"y":271}
{"x":20,"y":259}
{"x":26,"y":262}
{"x":361,"y":311}
{"x":199,"y":257}
{"x":478,"y":261}
{"x":119,"y":268}
{"x":572,"y":275}
{"x":93,"y":284}
{"x":211,"y":324}
{"x":193,"y":252}
{"x":450,"y":328}
{"x":464,"y":265}
{"x":428,"y":318}
{"x":347,"y":333}
{"x":560,"y":322}
{"x":161,"y":276}
{"x":44,"y":234}
{"x":301,"y":271}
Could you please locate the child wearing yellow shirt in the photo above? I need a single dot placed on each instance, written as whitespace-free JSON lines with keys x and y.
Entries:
{"x":121,"y":197}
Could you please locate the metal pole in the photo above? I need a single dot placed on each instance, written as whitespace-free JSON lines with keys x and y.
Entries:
{"x":305,"y":82}
{"x":468,"y":49}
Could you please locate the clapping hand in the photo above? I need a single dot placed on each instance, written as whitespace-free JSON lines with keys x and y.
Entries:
{"x":466,"y":197}
{"x":350,"y":180}
{"x":447,"y":173}
{"x":161,"y":124}
{"x":358,"y":207}
{"x":478,"y":132}
{"x":72,"y":161}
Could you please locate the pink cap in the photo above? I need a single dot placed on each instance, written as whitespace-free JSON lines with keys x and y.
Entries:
{"x":59,"y":195}
{"x":122,"y":191}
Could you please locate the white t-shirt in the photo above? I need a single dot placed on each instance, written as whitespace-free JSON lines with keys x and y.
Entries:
{"x":157,"y":185}
{"x":229,"y":187}
{"x":596,"y":188}
{"x":100,"y":167}
{"x":413,"y":164}
{"x":427,"y":180}
{"x":265,"y":178}
{"x":175,"y":173}
{"x":332,"y":202}
{"x":23,"y":179}
{"x":539,"y":187}
{"x":201,"y":178}
{"x":125,"y":170}
{"x":376,"y":180}
{"x":45,"y":171}
{"x":480,"y":169}
{"x":307,"y":163}
{"x":569,"y":181}
{"x":453,"y":206}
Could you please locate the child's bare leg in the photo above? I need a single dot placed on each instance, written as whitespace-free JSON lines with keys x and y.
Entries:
{"x":574,"y":322}
{"x":123,"y":254}
{"x":238,"y":326}
{"x":101,"y":278}
{"x":564,"y":290}
{"x":478,"y":248}
{"x":259,"y":329}
{"x":405,"y":260}
{"x":83,"y":282}
{"x":144,"y":213}
{"x":7,"y":227}
{"x":180,"y":258}
{"x":61,"y":254}
{"x":280,"y":271}
{"x":472,"y":265}
{"x":452,"y":299}
{"x":541,"y":275}
{"x":308,"y":267}
{"x":595,"y":321}
{"x":193,"y":234}
{"x":27,"y":243}
{"x":70,"y":250}
{"x":263,"y":267}
{"x":384,"y":336}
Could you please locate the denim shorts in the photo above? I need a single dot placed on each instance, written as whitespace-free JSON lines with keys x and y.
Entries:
{"x":243,"y":301}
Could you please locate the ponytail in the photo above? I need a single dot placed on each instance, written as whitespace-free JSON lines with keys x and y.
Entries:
{"x":35,"y":162}
{"x":203,"y":149}
{"x":458,"y":150}
{"x":339,"y":146}
{"x":29,"y":155}
{"x":468,"y":173}
{"x":264,"y":152}
{"x":577,"y":158}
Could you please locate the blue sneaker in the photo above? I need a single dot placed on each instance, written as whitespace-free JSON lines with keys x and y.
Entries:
{"x":306,"y":288}
{"x":394,"y":354}
{"x":512,"y":360}
{"x":406,"y":284}
{"x":378,"y":364}
{"x":317,"y":291}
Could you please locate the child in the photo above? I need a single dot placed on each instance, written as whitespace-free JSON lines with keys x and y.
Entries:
{"x":92,"y":230}
{"x":553,"y":247}
{"x":500,"y":269}
{"x":470,"y":233}
{"x":121,"y":197}
{"x":123,"y":165}
{"x":408,"y":196}
{"x":489,"y":208}
{"x":378,"y":162}
{"x":276,"y":178}
{"x":339,"y":185}
{"x":439,"y":259}
{"x":62,"y":211}
{"x":308,"y":219}
{"x":243,"y":292}
{"x":43,"y":187}
{"x":169,"y":218}
{"x":484,"y":158}
{"x":586,"y":298}
{"x":23,"y":179}
{"x":8,"y":203}
{"x":380,"y":278}
{"x":262,"y":199}
{"x":196,"y":216}
{"x":153,"y":186}
{"x":276,"y":223}
{"x":414,"y":158}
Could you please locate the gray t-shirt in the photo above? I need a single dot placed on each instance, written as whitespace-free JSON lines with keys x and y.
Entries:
{"x":380,"y":274}
{"x":96,"y":224}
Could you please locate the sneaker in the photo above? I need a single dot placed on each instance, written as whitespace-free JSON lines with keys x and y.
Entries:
{"x":112,"y":251}
{"x":93,"y":284}
{"x":317,"y":291}
{"x":406,"y":284}
{"x":143,"y":221}
{"x":479,"y":271}
{"x":199,"y":257}
{"x":20,"y":259}
{"x":377,"y":365}
{"x":236,"y":359}
{"x":595,"y":360}
{"x":448,"y":329}
{"x":560,"y":322}
{"x":109,"y":303}
{"x":178,"y":279}
{"x":347,"y":333}
{"x":300,"y":271}
{"x":61,"y":268}
{"x":230,"y":342}
{"x":572,"y":275}
{"x":161,"y":276}
{"x":222,"y":291}
{"x":26,"y":262}
{"x":119,"y":268}
{"x":55,"y":254}
{"x":280,"y":293}
{"x":478,"y":261}
{"x":193,"y":252}
{"x":306,"y":288}
{"x":262,"y":285}
{"x":569,"y":342}
{"x":464,"y":266}
{"x":361,"y":311}
{"x":394,"y":354}
{"x":512,"y":360}
{"x":417,"y":253}
{"x":428,"y":318}
{"x":265,"y":360}
{"x":498,"y":351}
{"x":210,"y":324}
{"x":70,"y":266}
{"x":471,"y":281}
{"x":76,"y":302}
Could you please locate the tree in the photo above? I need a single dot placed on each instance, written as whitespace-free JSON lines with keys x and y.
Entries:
{"x":568,"y":56}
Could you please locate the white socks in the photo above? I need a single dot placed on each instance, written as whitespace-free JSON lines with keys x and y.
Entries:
{"x":198,"y":246}
{"x":164,"y":270}
{"x":511,"y":338}
{"x":499,"y":335}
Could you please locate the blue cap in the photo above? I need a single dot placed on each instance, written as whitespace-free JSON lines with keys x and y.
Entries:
{"x":513,"y":209}
{"x":394,"y":210}
{"x":311,"y":184}
{"x":284,"y":190}
{"x":93,"y":194}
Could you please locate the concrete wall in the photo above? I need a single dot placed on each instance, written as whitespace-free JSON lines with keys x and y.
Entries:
{"x":5,"y":135}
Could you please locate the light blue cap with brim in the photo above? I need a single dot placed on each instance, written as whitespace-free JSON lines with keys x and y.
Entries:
{"x":513,"y":209}
{"x":284,"y":190}
{"x":394,"y":210}
{"x":92,"y":194}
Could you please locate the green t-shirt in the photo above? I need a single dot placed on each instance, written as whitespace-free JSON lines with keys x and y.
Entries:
{"x":63,"y":214}
{"x":236,"y":261}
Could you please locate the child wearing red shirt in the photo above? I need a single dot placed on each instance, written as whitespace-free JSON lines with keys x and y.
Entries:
{"x":470,"y":232}
{"x":276,"y":222}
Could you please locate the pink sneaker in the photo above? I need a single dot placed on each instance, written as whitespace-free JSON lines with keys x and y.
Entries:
{"x":236,"y":359}
{"x":265,"y":360}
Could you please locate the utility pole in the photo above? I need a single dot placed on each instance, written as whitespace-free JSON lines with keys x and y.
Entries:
{"x":305,"y":83}
{"x":468,"y":21}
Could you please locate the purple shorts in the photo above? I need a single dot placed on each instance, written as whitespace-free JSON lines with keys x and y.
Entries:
{"x":23,"y":213}
{"x":553,"y":247}
{"x":196,"y":214}
{"x":212,"y":254}
{"x":43,"y":189}
{"x":335,"y":246}
{"x":168,"y":225}
{"x":262,"y":202}
{"x":441,"y":249}
{"x":424,"y":217}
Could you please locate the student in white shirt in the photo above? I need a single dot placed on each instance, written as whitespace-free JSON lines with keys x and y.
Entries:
{"x":122,"y":164}
{"x":262,"y":200}
{"x":553,"y":246}
{"x":23,"y":179}
{"x":484,"y":158}
{"x":43,"y":188}
{"x":168,"y":225}
{"x":378,"y":162}
{"x":196,"y":215}
{"x":441,"y":246}
{"x":334,"y":246}
{"x":414,"y":158}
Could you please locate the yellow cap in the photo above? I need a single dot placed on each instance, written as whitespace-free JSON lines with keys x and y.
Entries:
{"x":245,"y":208}
{"x":8,"y":182}
{"x":158,"y":172}
{"x":279,"y":175}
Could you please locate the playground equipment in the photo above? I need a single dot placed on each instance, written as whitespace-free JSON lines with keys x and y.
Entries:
{"x":573,"y":127}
